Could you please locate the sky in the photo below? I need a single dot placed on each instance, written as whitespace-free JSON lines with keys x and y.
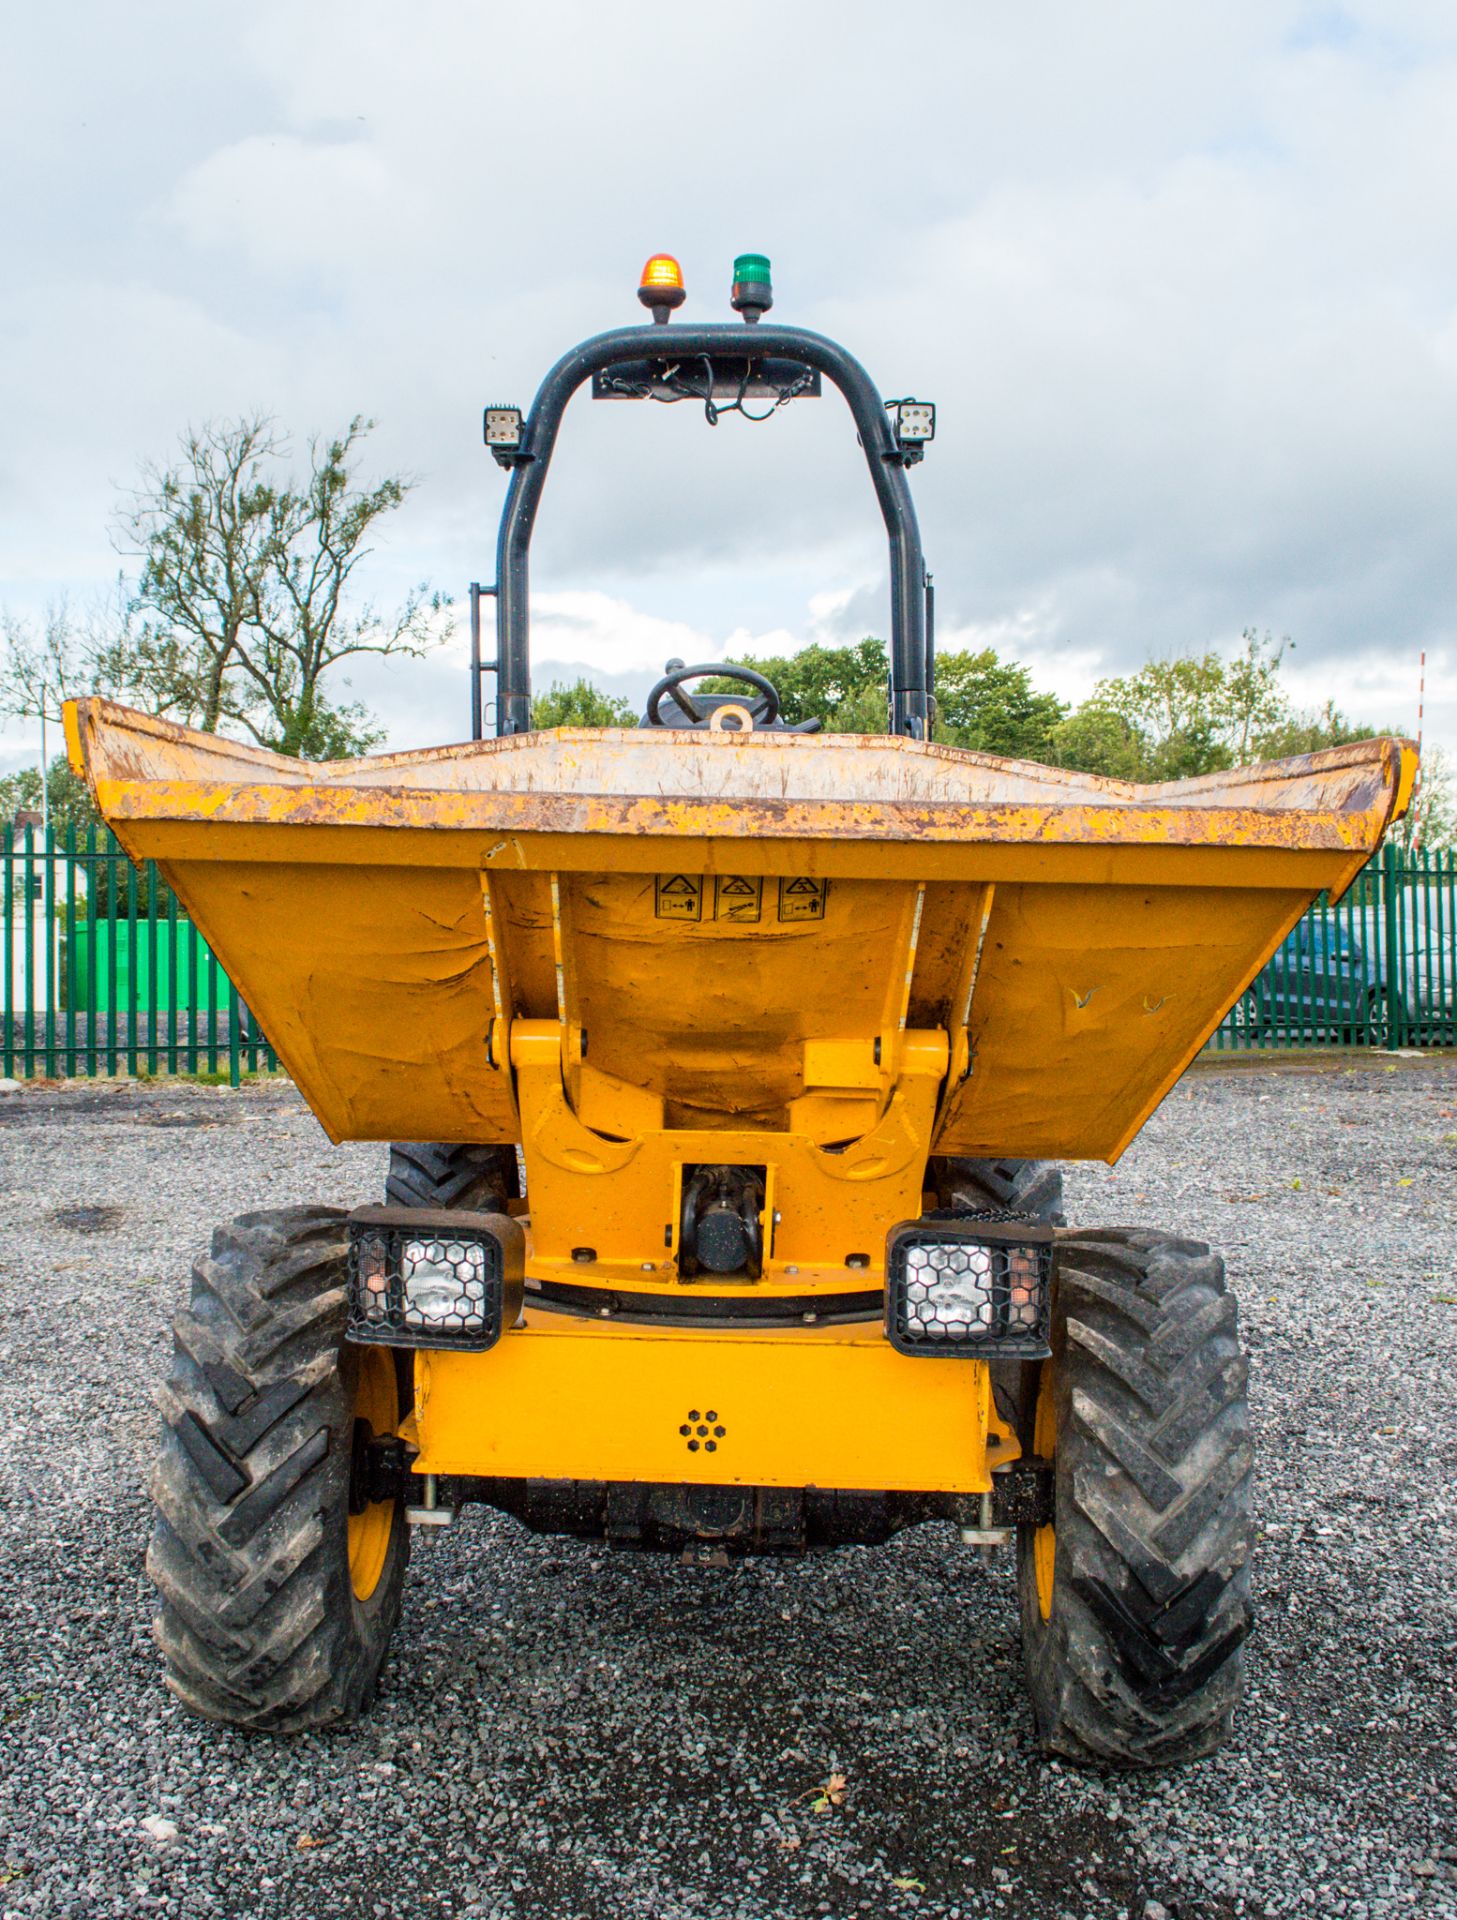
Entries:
{"x":1181,"y":281}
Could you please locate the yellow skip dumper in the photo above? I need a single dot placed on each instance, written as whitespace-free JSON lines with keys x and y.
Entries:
{"x":724,"y":1061}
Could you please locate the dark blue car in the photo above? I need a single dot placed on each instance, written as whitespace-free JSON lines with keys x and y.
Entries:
{"x":1320,"y":985}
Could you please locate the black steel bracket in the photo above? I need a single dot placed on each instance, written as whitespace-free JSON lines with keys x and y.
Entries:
{"x":477,"y":665}
{"x":1022,"y":1494}
{"x":724,"y":376}
{"x":377,"y":1467}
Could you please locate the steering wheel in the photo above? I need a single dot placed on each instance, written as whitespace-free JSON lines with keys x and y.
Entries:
{"x":764,"y":712}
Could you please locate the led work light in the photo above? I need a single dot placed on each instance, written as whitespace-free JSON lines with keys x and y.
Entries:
{"x":432,"y":1277}
{"x":914,"y":424}
{"x":968,"y":1287}
{"x":502,"y":427}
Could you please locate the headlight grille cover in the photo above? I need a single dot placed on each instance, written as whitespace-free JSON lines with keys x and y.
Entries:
{"x":968,"y":1285}
{"x":433,"y":1277}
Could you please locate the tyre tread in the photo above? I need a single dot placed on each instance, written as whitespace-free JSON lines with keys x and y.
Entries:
{"x":1141,"y":1663}
{"x":1000,"y":1186}
{"x":256,"y":1619}
{"x":446,"y":1174}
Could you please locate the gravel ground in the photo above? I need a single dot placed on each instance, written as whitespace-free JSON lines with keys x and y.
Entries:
{"x":568,"y":1732}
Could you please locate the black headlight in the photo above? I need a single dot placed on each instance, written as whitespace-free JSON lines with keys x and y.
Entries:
{"x":432,"y":1277}
{"x":968,"y":1287}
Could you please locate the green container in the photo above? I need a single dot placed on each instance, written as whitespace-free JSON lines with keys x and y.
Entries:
{"x":184,"y":976}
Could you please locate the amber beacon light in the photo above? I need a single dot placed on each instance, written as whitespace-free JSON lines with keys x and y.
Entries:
{"x":661,"y":288}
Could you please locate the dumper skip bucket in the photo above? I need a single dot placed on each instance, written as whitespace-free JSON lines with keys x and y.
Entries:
{"x":714,"y":925}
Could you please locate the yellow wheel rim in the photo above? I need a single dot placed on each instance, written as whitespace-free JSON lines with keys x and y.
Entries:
{"x":376,"y":1399}
{"x":1044,"y":1558}
{"x":1044,"y":1440}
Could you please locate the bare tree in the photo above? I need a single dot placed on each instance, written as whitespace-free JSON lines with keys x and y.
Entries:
{"x":303,"y":617}
{"x":1431,"y":820}
{"x":42,"y":665}
{"x":242,"y":605}
{"x":203,"y":531}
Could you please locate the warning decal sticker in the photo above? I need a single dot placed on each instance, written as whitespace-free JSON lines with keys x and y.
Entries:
{"x":802,"y":899}
{"x":680,"y":896}
{"x":737,"y":897}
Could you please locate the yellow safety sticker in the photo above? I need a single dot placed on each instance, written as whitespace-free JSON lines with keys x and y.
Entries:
{"x":680,"y":896}
{"x":802,"y":899}
{"x":737,"y":897}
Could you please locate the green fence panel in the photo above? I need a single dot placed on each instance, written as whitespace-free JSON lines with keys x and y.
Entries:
{"x":100,"y":969}
{"x":1376,"y":969}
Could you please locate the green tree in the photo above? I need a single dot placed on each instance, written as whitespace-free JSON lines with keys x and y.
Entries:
{"x":990,"y":705}
{"x":68,"y":799}
{"x":864,"y":712}
{"x":1195,"y":713}
{"x":1254,"y":702}
{"x":1099,"y":737}
{"x":306,"y":618}
{"x":1164,"y":722}
{"x":581,"y":705}
{"x":1292,"y":733}
{"x":842,"y":687}
{"x":982,"y":701}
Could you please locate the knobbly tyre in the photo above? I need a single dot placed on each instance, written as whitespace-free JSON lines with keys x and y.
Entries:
{"x":787,"y":1031}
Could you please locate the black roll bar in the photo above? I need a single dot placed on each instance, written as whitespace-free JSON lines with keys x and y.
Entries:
{"x":910,"y":688}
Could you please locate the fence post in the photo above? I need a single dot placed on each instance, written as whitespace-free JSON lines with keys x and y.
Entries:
{"x":1390,"y":904}
{"x":68,"y":965}
{"x":133,"y":971}
{"x":174,"y":974}
{"x":93,"y":950}
{"x":52,"y":972}
{"x":7,"y":1040}
{"x":113,"y":952}
{"x":27,"y":896}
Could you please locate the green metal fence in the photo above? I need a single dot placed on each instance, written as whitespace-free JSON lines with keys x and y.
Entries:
{"x":101,"y":972}
{"x":1379,"y":969}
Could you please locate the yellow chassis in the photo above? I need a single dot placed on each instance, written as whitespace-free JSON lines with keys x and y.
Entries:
{"x":825,"y":1406}
{"x":797,"y":1406}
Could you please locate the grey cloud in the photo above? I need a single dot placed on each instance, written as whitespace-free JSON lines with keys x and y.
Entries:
{"x":1177,"y":279}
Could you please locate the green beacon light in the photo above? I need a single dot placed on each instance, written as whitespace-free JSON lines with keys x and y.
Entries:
{"x":753,"y":292}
